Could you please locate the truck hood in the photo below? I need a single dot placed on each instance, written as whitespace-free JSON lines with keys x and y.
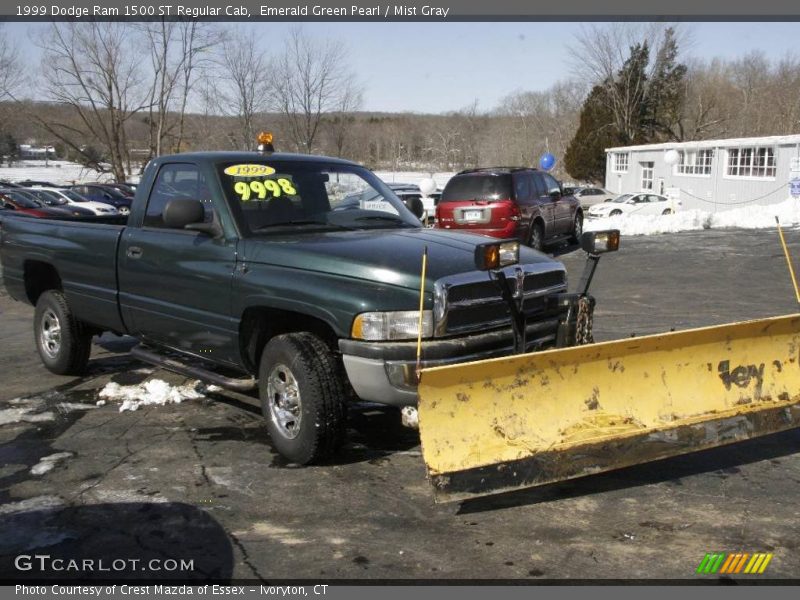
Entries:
{"x":392,"y":257}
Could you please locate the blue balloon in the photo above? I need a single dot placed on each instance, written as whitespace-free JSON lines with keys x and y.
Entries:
{"x":547,"y":161}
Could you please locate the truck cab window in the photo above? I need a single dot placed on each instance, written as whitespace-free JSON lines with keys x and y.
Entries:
{"x":176,"y":181}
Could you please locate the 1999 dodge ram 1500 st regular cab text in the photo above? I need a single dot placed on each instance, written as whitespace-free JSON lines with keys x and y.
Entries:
{"x":297,"y":274}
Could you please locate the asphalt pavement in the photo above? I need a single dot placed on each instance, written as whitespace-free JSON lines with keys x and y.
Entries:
{"x":199,"y":480}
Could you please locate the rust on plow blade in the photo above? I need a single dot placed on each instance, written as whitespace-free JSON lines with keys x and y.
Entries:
{"x":502,"y":424}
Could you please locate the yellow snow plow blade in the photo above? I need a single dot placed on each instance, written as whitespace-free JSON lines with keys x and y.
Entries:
{"x":521,"y":421}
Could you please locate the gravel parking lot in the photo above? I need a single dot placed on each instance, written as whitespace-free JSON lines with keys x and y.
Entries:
{"x":199,"y":481}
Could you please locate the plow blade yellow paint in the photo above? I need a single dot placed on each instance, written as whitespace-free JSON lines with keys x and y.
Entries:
{"x":527,"y":420}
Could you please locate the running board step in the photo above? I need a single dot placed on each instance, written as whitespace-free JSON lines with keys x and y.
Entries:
{"x":239,"y":385}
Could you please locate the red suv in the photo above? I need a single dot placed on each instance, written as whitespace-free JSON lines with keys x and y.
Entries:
{"x":510,"y":202}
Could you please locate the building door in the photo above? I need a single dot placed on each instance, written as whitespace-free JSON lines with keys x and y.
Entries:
{"x":647,"y":169}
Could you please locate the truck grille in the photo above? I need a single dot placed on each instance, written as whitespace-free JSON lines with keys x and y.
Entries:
{"x":472,"y":301}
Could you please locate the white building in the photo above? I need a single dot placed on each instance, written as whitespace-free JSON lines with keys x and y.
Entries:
{"x":710,"y":174}
{"x":30,"y":152}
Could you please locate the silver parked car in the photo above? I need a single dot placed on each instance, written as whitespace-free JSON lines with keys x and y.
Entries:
{"x":589,"y":196}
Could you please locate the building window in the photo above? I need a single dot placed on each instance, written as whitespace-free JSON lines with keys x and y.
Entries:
{"x":694,"y":163}
{"x":647,"y":176}
{"x":751,"y":162}
{"x":620,"y":162}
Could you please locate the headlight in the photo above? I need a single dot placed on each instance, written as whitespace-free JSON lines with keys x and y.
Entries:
{"x":396,"y":325}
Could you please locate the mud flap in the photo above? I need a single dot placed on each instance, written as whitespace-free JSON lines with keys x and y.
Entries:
{"x":507,"y":423}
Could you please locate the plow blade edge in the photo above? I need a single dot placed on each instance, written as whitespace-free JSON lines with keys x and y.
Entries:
{"x":527,"y":420}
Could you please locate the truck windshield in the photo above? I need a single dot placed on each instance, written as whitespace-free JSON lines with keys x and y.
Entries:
{"x":280,"y":194}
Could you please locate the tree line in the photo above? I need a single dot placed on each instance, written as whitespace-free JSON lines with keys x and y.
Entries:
{"x":112,"y":95}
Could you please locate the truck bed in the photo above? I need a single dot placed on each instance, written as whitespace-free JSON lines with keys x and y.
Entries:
{"x":83,"y":253}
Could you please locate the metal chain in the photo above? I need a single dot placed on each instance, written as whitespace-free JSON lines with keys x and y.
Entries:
{"x":584,"y":322}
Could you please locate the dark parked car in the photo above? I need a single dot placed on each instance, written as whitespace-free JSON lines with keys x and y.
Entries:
{"x":123,"y":188}
{"x":510,"y":202}
{"x":12,"y":200}
{"x":33,"y":182}
{"x":100,"y":192}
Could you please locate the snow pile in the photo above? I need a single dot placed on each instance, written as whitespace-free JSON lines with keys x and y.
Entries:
{"x":48,"y":462}
{"x":154,"y":392}
{"x":746,"y":217}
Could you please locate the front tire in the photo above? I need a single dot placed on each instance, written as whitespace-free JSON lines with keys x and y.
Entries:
{"x":536,"y":236}
{"x":577,"y":229}
{"x":63,"y":342}
{"x":667,"y":211}
{"x":616,"y":213}
{"x":302,"y":397}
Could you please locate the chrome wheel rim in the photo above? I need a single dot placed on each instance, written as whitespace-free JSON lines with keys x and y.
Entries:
{"x":50,"y":334}
{"x":283,"y":399}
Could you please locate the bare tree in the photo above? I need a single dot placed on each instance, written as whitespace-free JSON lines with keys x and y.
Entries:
{"x":11,"y":68}
{"x":177,"y":50}
{"x":243,"y":84}
{"x":340,"y":122}
{"x":92,"y":68}
{"x":312,"y":80}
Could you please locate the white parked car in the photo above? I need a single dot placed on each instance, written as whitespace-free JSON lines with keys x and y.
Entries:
{"x":635,"y":204}
{"x":74,"y":198}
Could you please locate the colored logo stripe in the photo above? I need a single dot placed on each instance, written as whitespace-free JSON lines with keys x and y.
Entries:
{"x":734,"y":563}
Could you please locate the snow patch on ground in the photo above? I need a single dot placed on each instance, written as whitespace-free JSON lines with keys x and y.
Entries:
{"x":17,"y":415}
{"x":60,"y":172}
{"x":746,"y":217}
{"x":154,"y":392}
{"x":36,"y":503}
{"x":49,"y":462}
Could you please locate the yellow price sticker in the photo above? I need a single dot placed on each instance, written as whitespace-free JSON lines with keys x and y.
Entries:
{"x":249,"y":170}
{"x":259,"y":190}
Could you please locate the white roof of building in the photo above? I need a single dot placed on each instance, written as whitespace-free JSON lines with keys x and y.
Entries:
{"x":772,"y":140}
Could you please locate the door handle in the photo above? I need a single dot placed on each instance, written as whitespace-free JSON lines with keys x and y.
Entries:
{"x":134,"y":252}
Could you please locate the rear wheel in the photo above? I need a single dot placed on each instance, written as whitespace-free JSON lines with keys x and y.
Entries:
{"x":667,"y":211}
{"x":63,"y":342}
{"x":577,"y":229}
{"x":536,"y":236}
{"x":302,"y":397}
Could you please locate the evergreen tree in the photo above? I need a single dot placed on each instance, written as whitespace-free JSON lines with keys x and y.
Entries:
{"x":585,"y":158}
{"x":629,"y":108}
{"x":666,"y":92}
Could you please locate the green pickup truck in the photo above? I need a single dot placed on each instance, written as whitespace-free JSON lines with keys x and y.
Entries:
{"x":296,"y":275}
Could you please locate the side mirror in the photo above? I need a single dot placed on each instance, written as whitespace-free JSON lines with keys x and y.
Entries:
{"x":555,"y":193}
{"x":180,"y":212}
{"x":185,"y":213}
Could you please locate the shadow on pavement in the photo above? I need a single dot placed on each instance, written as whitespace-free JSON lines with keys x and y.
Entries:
{"x":725,"y":460}
{"x":134,"y":541}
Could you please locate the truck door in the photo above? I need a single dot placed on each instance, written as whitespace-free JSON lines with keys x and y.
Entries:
{"x":175,"y":284}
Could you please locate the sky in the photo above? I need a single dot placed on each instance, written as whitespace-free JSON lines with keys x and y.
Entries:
{"x":439,"y":67}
